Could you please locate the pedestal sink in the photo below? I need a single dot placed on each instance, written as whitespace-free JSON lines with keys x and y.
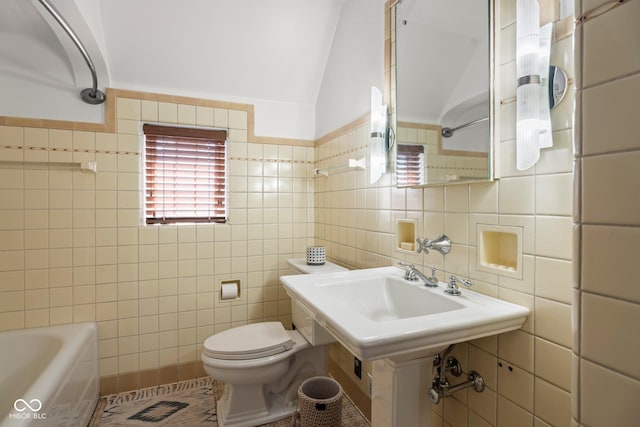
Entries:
{"x":378,"y":315}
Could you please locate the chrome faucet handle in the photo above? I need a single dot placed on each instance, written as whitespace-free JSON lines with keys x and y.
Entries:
{"x":433,"y":277}
{"x":404,"y":264}
{"x":466,"y":282}
{"x":410,"y":274}
{"x":423,"y":244}
{"x":442,"y":244}
{"x":452,"y":286}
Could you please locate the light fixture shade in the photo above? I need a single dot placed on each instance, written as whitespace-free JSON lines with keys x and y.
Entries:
{"x":377,"y":149}
{"x":544,"y":53}
{"x":528,"y":84}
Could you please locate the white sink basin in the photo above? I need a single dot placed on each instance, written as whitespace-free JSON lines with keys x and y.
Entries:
{"x":376,"y":314}
{"x":384,"y":298}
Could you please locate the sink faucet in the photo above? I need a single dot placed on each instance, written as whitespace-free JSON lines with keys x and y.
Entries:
{"x":442,"y":244}
{"x":413,"y":274}
{"x":452,"y":286}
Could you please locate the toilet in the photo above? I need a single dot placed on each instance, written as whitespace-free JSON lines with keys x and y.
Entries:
{"x":263,"y":365}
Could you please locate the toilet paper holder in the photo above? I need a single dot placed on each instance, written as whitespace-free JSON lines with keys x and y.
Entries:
{"x":229,"y":290}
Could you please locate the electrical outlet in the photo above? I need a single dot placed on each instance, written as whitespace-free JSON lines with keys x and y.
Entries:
{"x":357,"y":367}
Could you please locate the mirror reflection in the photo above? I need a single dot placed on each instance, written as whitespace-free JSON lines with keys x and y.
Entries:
{"x":442,"y":91}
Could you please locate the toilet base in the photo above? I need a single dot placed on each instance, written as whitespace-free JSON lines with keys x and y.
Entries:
{"x":279,"y":410}
{"x":249,"y":405}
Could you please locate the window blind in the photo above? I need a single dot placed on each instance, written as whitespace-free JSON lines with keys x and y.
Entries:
{"x":410,"y":164}
{"x":185,"y":175}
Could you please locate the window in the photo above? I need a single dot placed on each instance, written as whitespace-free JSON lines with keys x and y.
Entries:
{"x":185,"y":175}
{"x":410,"y":165}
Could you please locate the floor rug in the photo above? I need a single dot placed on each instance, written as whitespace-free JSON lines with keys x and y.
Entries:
{"x":187,"y":403}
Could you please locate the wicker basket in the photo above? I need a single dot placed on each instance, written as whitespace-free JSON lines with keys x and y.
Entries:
{"x":320,"y":403}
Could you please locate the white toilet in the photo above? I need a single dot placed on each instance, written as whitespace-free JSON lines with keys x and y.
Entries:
{"x":262,"y":365}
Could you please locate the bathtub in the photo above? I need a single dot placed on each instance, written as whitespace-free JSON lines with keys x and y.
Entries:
{"x":49,"y":376}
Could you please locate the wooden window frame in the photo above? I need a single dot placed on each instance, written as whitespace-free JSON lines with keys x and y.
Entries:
{"x":185,"y":175}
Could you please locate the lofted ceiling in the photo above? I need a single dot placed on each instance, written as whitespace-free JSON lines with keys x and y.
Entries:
{"x":236,"y":50}
{"x":27,"y":42}
{"x":273,"y":50}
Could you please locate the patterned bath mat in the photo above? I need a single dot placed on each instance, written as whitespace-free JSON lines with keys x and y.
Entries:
{"x":187,"y":403}
{"x":160,"y":413}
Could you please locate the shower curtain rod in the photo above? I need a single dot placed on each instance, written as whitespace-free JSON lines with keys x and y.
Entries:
{"x":88,"y":95}
{"x":447,"y":132}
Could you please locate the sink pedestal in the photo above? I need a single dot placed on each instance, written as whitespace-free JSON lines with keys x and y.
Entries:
{"x":399,"y":396}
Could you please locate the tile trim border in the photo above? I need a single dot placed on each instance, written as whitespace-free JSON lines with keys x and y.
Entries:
{"x":110,"y":116}
{"x":129,"y":381}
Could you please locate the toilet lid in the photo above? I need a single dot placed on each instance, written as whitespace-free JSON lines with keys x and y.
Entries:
{"x":248,"y":342}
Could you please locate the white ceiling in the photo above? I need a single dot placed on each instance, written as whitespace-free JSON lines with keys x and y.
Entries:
{"x":27,"y":43}
{"x":236,"y":50}
{"x":274,"y":50}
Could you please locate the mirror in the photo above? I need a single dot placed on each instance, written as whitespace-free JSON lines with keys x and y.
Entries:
{"x":443,"y":126}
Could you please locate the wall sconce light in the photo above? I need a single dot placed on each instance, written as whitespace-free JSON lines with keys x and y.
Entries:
{"x":377,"y":143}
{"x":546,"y":139}
{"x":533,"y":120}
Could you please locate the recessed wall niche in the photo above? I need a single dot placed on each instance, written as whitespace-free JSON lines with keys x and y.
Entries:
{"x":500,"y":250}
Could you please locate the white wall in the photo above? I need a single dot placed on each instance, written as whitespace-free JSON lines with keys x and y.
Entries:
{"x":356,"y":62}
{"x":41,"y":70}
{"x":284,"y":119}
{"x":269,"y":55}
{"x":25,"y":97}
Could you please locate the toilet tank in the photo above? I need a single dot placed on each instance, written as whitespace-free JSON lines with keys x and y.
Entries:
{"x":301,"y":316}
{"x":299,"y":265}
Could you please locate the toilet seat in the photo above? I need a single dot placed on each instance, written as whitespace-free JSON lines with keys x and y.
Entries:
{"x":248,"y":342}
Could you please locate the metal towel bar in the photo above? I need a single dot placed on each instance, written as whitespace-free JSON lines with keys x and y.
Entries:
{"x":84,"y":167}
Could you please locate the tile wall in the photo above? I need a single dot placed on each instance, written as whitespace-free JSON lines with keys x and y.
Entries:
{"x":527,"y":372}
{"x":606,"y":297}
{"x":72,"y":248}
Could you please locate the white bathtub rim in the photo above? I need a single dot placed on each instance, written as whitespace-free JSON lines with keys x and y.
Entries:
{"x":75,"y":336}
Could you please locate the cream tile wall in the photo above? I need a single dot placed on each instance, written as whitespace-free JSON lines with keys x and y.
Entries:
{"x":528,"y":372}
{"x":72,"y":248}
{"x":606,"y":300}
